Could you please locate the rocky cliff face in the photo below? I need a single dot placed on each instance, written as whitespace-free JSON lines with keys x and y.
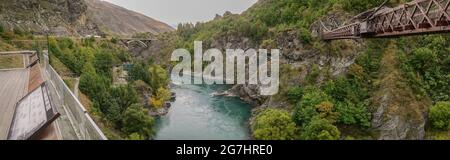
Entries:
{"x":398,"y":114}
{"x":293,"y":54}
{"x":75,"y":18}
{"x":58,"y":17}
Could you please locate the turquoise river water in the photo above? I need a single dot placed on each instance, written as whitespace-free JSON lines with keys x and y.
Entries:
{"x":196,"y":115}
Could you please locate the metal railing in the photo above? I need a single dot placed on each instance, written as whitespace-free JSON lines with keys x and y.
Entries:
{"x":82,"y":123}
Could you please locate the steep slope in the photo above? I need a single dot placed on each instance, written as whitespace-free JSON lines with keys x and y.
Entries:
{"x":75,"y":18}
{"x":399,"y":113}
{"x":121,"y":21}
{"x":392,"y":93}
{"x":59,"y":17}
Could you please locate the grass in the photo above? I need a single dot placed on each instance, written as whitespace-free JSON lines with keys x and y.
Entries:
{"x":62,"y":69}
{"x":11,"y":61}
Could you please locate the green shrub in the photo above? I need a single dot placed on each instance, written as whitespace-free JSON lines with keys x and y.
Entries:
{"x":158,"y":77}
{"x":274,"y":124}
{"x":440,"y":116}
{"x":423,"y":59}
{"x":295,"y":94}
{"x":305,"y":35}
{"x":136,"y":121}
{"x":353,"y":114}
{"x":313,"y":96}
{"x":320,"y":129}
{"x":304,"y":115}
{"x":125,"y":96}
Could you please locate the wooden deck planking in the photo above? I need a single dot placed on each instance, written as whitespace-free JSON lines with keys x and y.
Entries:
{"x":13,"y":86}
{"x":36,"y":78}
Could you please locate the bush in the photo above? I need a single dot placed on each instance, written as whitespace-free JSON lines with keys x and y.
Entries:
{"x":357,"y":6}
{"x":103,"y":63}
{"x":343,"y":89}
{"x":304,"y":115}
{"x":353,"y":114}
{"x":440,"y":116}
{"x":312,"y":76}
{"x":326,"y":111}
{"x":423,"y":59}
{"x":274,"y":124}
{"x":66,"y":43}
{"x":313,"y":96}
{"x":92,"y":84}
{"x":158,"y":76}
{"x":295,"y":94}
{"x":306,"y":108}
{"x":161,"y":96}
{"x":305,"y":35}
{"x":136,"y":121}
{"x":139,"y":72}
{"x":125,"y":96}
{"x":320,"y":129}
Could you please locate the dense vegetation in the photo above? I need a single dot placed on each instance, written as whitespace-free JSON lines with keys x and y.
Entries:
{"x":324,"y":106}
{"x":123,"y":109}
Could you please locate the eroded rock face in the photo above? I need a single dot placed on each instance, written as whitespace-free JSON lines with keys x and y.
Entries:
{"x":292,"y":53}
{"x":57,"y":17}
{"x":75,"y":18}
{"x":398,"y":113}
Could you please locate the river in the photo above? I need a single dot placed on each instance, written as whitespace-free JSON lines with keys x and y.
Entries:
{"x":196,"y":115}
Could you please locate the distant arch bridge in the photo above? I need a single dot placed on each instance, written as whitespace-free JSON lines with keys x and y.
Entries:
{"x":142,"y":42}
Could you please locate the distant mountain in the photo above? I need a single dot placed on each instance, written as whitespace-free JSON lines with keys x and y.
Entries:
{"x":76,"y":18}
{"x":121,"y":21}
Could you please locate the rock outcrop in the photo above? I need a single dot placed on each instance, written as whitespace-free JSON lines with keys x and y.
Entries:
{"x":398,"y":113}
{"x":75,"y":18}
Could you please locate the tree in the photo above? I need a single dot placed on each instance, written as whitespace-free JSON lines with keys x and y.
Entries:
{"x":313,"y":96}
{"x":353,"y":114}
{"x":125,"y":96}
{"x":92,"y":84}
{"x":295,"y":94}
{"x":304,"y":115}
{"x":274,"y":124}
{"x":423,"y":59}
{"x":136,"y":121}
{"x":163,"y":93}
{"x":326,"y":111}
{"x":140,"y":72}
{"x":158,"y":76}
{"x":306,"y":109}
{"x":440,"y":116}
{"x":135,"y":136}
{"x":103,"y":63}
{"x":320,"y":129}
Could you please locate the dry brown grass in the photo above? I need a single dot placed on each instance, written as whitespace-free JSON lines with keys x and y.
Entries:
{"x":11,"y":61}
{"x":401,"y":100}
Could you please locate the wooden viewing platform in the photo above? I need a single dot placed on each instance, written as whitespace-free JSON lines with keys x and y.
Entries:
{"x":16,"y":83}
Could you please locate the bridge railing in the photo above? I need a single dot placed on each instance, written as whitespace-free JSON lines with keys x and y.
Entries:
{"x":85,"y":128}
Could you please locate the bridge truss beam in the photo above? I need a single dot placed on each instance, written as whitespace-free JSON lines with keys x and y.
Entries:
{"x":416,"y":17}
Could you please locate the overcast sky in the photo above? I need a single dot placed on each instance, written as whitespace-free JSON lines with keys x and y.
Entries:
{"x":173,"y":12}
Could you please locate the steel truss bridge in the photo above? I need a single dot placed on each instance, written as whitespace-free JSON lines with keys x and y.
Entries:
{"x":416,"y":17}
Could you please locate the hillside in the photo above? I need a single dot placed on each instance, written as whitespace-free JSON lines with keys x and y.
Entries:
{"x":75,"y":18}
{"x":121,"y":21}
{"x":343,"y":89}
{"x":386,"y":88}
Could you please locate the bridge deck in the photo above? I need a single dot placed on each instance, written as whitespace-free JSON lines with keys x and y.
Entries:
{"x":13,"y":86}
